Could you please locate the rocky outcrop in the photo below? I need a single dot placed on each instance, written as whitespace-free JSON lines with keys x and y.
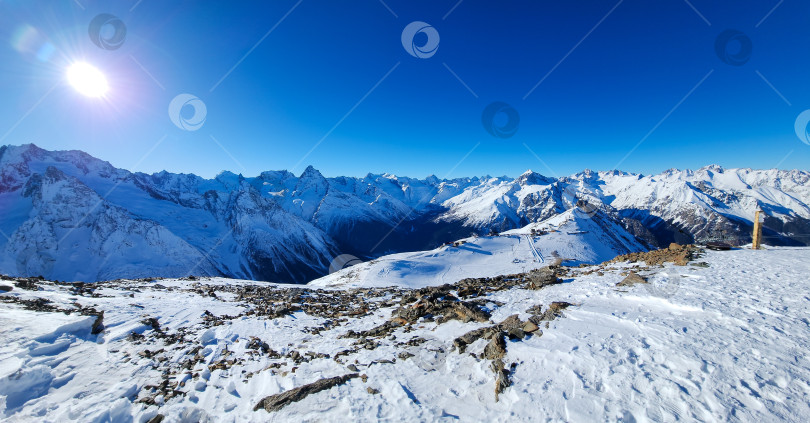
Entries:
{"x":632,"y":279}
{"x":279,"y":401}
{"x":675,"y":253}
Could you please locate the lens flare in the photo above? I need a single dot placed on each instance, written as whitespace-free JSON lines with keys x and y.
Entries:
{"x":87,"y":79}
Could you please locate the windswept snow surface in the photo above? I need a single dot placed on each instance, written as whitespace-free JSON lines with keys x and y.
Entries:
{"x":573,"y":237}
{"x":726,"y":342}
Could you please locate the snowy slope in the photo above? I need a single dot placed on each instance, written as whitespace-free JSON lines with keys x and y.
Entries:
{"x":717,"y":343}
{"x":68,"y":216}
{"x":576,"y":239}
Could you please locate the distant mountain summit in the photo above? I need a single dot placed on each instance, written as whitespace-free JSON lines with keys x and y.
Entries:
{"x":69,"y":216}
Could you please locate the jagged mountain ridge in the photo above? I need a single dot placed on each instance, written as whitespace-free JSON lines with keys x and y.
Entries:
{"x":280,"y":227}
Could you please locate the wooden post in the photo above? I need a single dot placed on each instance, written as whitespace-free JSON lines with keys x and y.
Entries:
{"x":757,"y":230}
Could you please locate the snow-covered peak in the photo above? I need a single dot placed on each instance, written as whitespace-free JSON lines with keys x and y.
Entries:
{"x":311,"y":173}
{"x":530,"y":177}
{"x":354,"y":214}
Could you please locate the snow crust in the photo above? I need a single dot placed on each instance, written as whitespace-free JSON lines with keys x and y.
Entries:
{"x":717,"y":343}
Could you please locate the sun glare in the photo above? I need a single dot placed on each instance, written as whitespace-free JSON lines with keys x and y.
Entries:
{"x":87,"y":79}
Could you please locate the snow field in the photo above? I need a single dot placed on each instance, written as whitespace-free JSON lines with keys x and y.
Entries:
{"x":727,"y":342}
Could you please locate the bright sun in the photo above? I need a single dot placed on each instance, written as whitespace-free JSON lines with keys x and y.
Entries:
{"x":87,"y":79}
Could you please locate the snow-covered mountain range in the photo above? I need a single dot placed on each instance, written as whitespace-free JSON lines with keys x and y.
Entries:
{"x":69,"y":216}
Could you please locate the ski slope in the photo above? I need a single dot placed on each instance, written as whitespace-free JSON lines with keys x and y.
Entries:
{"x":576,"y":239}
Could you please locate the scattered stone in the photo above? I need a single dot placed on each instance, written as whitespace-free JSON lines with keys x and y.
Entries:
{"x":468,"y":338}
{"x":404,"y":355}
{"x":540,"y":278}
{"x":153,"y":323}
{"x":29,"y":284}
{"x":535,"y":309}
{"x":632,"y":279}
{"x":372,"y":391}
{"x":279,"y":401}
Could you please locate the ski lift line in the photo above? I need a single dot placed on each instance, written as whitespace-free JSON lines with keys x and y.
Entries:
{"x":534,"y":249}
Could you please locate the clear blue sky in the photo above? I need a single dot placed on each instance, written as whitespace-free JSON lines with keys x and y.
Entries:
{"x":595,"y":103}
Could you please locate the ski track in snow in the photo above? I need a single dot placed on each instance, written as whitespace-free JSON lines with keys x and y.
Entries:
{"x":729,"y":344}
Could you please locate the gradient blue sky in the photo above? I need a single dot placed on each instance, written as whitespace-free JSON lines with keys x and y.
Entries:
{"x":621,"y":82}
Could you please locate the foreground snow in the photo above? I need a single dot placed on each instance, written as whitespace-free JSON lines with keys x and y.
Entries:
{"x":726,"y":342}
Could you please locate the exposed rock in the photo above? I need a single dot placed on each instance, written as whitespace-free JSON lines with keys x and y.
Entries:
{"x":5,"y":288}
{"x":501,"y":377}
{"x":29,"y":284}
{"x":632,"y":279}
{"x":496,"y":348}
{"x":675,"y":253}
{"x":279,"y":401}
{"x":467,"y":312}
{"x":437,"y":302}
{"x":530,"y":327}
{"x":152,"y":322}
{"x":553,"y":311}
{"x":535,"y":309}
{"x":511,"y":322}
{"x":157,"y":419}
{"x":495,"y":351}
{"x":404,"y":355}
{"x":372,"y":391}
{"x":376,"y":332}
{"x":541,"y":278}
{"x":468,"y":338}
{"x":98,"y":324}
